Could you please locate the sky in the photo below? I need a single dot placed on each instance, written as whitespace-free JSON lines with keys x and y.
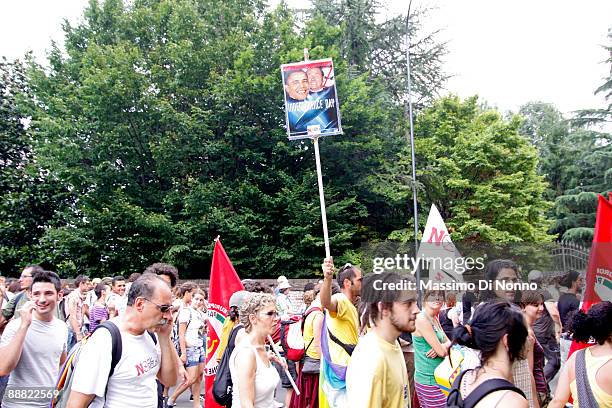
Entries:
{"x":507,"y":52}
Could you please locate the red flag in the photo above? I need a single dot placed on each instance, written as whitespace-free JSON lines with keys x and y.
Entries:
{"x":224,"y":282}
{"x":598,"y":284}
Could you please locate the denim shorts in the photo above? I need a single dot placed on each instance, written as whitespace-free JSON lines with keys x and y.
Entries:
{"x":195,"y":356}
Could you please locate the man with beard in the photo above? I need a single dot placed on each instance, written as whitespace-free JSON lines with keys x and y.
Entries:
{"x":340,"y":331}
{"x":376,"y":376}
{"x":33,"y":346}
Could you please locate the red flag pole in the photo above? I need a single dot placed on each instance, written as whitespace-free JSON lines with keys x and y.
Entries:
{"x":224,"y":281}
{"x":598,"y":285}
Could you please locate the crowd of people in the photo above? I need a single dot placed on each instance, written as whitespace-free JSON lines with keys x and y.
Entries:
{"x":143,"y":342}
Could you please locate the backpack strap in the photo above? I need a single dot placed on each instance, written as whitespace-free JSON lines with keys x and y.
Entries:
{"x":283,"y":336}
{"x":117,"y":346}
{"x":454,"y":399}
{"x":308,"y":312}
{"x":349,"y":348}
{"x":583,"y":387}
{"x":486,"y":388}
{"x":231,"y":342}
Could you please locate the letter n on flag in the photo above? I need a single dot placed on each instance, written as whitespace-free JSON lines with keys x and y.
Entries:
{"x":224,"y":282}
{"x":598,"y":286}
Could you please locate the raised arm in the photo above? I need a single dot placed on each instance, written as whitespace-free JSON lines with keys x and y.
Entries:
{"x":328,"y":275}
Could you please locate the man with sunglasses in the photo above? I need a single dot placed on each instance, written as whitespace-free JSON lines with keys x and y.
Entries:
{"x":14,"y":305}
{"x":143,"y":359}
{"x":340,"y":330}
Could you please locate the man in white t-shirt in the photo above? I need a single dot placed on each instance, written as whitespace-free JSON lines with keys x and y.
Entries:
{"x":117,"y":302}
{"x":33,"y":346}
{"x":132,"y":384}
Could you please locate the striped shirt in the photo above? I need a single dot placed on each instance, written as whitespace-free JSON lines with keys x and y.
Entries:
{"x":97,"y":314}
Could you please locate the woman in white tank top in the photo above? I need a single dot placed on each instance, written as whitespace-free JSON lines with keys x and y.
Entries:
{"x":253,"y":375}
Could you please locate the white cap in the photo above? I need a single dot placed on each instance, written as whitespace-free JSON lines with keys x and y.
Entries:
{"x":284,"y":285}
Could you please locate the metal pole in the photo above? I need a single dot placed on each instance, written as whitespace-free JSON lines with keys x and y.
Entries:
{"x":411,"y":136}
{"x":315,"y":141}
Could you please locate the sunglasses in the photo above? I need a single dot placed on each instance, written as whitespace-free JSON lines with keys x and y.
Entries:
{"x":162,"y":308}
{"x":346,"y":266}
{"x":271,"y":313}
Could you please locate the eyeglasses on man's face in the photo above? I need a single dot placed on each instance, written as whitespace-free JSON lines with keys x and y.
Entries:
{"x":162,"y":308}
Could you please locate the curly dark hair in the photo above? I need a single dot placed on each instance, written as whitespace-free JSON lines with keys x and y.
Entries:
{"x":596,"y":323}
{"x":164,"y":269}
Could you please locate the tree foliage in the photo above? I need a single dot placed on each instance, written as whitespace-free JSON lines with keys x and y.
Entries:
{"x":29,"y":194}
{"x":480,"y":173}
{"x":164,"y":123}
{"x":576,"y":160}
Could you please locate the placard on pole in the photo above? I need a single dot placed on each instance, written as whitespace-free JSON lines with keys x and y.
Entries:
{"x":312,"y":111}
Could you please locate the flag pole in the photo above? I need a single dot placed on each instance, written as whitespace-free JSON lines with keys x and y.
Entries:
{"x":287,"y":373}
{"x":411,"y":137}
{"x":315,"y":140}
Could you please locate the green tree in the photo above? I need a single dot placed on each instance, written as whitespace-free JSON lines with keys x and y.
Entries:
{"x":378,"y":48}
{"x":165,"y":122}
{"x":602,"y":115}
{"x":480,"y":173}
{"x":29,"y":196}
{"x":591,"y":152}
{"x":576,"y":160}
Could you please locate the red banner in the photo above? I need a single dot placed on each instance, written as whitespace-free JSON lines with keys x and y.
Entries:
{"x":224,"y":281}
{"x":598,"y":285}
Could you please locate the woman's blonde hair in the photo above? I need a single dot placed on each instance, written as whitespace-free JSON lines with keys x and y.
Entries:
{"x":253,"y":303}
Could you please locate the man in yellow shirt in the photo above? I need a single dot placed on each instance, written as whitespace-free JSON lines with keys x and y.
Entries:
{"x":376,"y":376}
{"x":340,"y":332}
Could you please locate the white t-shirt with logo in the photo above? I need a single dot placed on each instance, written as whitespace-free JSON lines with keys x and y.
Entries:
{"x":195,"y":322}
{"x":133,"y":381}
{"x":38,"y":366}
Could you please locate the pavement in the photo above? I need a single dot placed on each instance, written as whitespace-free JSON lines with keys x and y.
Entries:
{"x":183,"y":400}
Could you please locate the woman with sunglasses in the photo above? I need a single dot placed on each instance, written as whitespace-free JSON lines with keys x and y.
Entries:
{"x":192,"y":323}
{"x":253,"y":374}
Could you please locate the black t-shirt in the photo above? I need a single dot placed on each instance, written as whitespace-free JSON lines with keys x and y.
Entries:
{"x":568,"y":302}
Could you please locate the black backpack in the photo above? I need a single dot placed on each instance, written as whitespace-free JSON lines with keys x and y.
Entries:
{"x":455,"y":400}
{"x":66,"y":374}
{"x":222,"y":387}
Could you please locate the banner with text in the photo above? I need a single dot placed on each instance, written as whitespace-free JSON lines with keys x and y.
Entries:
{"x":311,"y":102}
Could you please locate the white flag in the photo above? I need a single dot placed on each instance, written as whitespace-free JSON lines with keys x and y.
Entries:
{"x":439,"y":252}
